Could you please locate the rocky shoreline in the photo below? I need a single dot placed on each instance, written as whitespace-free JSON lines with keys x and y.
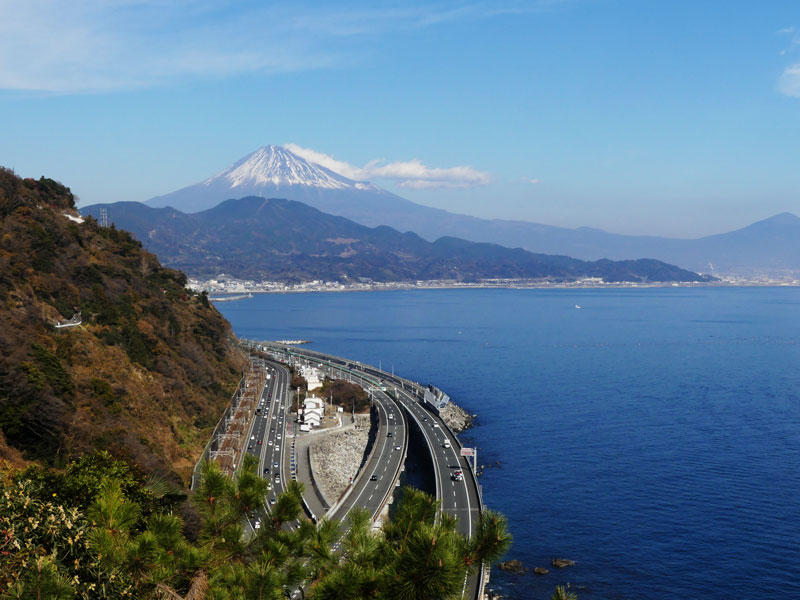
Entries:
{"x":456,"y":418}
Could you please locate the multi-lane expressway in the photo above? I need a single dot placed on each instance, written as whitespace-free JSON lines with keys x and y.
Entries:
{"x":272,"y":438}
{"x":459,"y":496}
{"x":267,"y":435}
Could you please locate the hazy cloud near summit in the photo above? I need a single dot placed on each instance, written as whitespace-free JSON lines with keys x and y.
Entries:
{"x":408,"y":174}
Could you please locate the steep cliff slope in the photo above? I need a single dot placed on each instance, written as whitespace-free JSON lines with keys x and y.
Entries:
{"x":146,"y":373}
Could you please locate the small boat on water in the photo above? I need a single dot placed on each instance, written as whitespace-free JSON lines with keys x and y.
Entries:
{"x":577,"y":306}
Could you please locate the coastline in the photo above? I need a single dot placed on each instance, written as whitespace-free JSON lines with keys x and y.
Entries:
{"x":456,"y":418}
{"x":248,"y":288}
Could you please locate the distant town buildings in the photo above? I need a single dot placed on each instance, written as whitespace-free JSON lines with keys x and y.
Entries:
{"x":224,"y":285}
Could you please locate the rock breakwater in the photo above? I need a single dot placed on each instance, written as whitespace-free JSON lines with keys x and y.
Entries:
{"x":456,"y":417}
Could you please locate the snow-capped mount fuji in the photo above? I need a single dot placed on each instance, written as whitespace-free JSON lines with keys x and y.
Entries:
{"x":768,"y":247}
{"x":278,"y":166}
{"x":276,"y":172}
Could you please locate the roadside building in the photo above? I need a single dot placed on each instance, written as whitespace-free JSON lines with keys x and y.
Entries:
{"x":313,"y":411}
{"x":312,"y":377}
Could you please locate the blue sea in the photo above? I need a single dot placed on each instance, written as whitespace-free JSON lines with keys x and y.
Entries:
{"x":651,"y":435}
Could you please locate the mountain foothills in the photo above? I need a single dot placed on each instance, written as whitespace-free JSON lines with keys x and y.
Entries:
{"x":769,"y":247}
{"x":284,"y":240}
{"x":146,"y":374}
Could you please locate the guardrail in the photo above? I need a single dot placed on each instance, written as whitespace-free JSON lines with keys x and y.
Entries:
{"x":398,"y":470}
{"x":436,"y":474}
{"x":474,"y":479}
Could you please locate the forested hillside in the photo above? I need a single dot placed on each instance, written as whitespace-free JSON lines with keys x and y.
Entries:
{"x":283,"y":240}
{"x":147,"y":373}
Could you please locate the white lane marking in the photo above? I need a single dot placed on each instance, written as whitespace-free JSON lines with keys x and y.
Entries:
{"x":466,"y":492}
{"x":378,"y":456}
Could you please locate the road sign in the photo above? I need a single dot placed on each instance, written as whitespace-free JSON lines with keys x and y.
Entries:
{"x":467,"y":451}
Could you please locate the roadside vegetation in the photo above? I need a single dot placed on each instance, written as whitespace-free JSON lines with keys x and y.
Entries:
{"x":100,"y":529}
{"x":350,"y":396}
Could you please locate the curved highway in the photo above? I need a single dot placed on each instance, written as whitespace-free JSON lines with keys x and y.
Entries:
{"x":267,"y":437}
{"x":459,"y":495}
{"x":272,"y":438}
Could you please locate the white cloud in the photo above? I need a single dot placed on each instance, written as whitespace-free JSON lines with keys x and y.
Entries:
{"x":794,"y":39}
{"x":70,"y":46}
{"x":413,"y":173}
{"x":327,"y":161}
{"x":789,"y":82}
{"x":407,"y":174}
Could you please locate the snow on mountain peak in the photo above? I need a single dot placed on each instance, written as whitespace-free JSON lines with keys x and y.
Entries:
{"x":275,"y":165}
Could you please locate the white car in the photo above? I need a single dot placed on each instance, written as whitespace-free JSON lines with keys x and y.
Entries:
{"x":446,"y":444}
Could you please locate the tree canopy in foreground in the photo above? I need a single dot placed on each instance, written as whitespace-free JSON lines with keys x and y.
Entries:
{"x":101,"y":530}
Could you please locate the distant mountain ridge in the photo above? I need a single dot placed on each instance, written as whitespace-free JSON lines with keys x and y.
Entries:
{"x":286,"y":240}
{"x":770,"y":247}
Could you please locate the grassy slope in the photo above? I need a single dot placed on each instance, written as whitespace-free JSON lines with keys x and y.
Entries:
{"x":146,"y":375}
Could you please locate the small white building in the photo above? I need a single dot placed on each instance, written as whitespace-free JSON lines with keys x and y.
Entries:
{"x":313,"y":402}
{"x":311,"y":419}
{"x":312,"y":377}
{"x":313,"y":411}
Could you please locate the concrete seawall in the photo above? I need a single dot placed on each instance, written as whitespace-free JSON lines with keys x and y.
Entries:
{"x":312,"y":468}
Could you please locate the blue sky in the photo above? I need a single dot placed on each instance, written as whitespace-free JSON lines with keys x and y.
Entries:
{"x":677,"y":118}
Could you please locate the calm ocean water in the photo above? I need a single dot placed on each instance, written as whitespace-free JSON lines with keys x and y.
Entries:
{"x":651,"y":435}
